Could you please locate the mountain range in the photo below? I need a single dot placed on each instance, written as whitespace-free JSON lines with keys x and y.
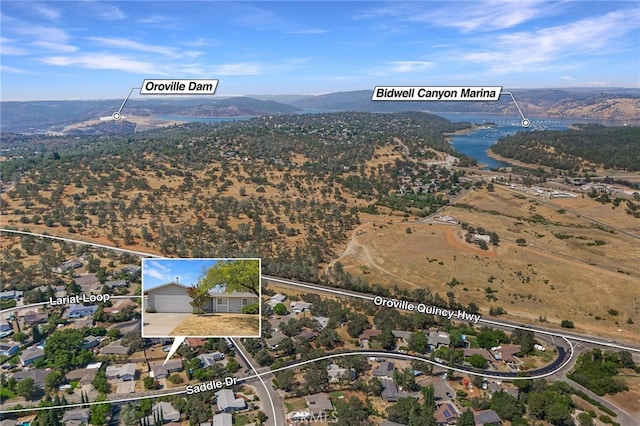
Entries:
{"x":616,"y":104}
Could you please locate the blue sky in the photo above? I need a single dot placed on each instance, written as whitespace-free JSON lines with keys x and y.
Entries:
{"x":100,"y":49}
{"x":161,"y":271}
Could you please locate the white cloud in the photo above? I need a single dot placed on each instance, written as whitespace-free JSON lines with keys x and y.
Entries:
{"x":8,"y":47}
{"x":14,"y":70}
{"x":56,"y":46}
{"x":239,"y":68}
{"x":401,"y":67}
{"x":308,"y":31}
{"x":488,"y":15}
{"x":46,"y":11}
{"x":103,"y":10}
{"x":104,"y":61}
{"x":543,"y":48}
{"x":123,"y":43}
{"x":409,"y":66}
{"x":43,"y":33}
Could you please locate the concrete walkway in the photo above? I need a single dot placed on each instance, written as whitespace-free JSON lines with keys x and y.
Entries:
{"x":161,"y":324}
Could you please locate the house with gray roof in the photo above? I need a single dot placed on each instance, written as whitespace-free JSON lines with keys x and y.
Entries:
{"x":9,"y":348}
{"x":81,"y":311}
{"x":165,"y":411}
{"x":227,"y":402}
{"x":207,"y":360}
{"x":115,"y":348}
{"x":319,"y":403}
{"x":126,"y":372}
{"x":173,"y":297}
{"x":29,"y":355}
{"x":37,"y":374}
{"x":438,"y":338}
{"x":385,"y":369}
{"x":76,"y":417}
{"x":487,"y":418}
{"x":161,"y":371}
{"x":222,"y":419}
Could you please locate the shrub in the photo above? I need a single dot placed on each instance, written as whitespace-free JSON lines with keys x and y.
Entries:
{"x":253,"y":308}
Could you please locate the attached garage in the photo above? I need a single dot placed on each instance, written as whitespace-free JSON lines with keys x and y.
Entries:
{"x":172,"y":304}
{"x":171,"y":297}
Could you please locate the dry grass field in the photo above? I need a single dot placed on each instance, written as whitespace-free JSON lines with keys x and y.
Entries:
{"x":553,"y":278}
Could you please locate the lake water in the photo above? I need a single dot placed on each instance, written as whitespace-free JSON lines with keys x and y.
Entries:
{"x":476,"y":143}
{"x":199,"y":119}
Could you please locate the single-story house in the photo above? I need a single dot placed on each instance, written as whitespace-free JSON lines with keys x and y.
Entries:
{"x":11,"y":294}
{"x":77,"y":417}
{"x":401,"y":334}
{"x":323,"y":322}
{"x":446,"y":414}
{"x":117,"y":284}
{"x":79,"y":311}
{"x":90,"y":342}
{"x":385,"y":369}
{"x":125,"y":372}
{"x":29,"y":355}
{"x":335,"y":373}
{"x":223,"y":419}
{"x":275,"y":339}
{"x":279,"y":298}
{"x":164,"y":410}
{"x":487,"y":417}
{"x":389,"y":391}
{"x":115,"y":348}
{"x":300,"y":307}
{"x":195,"y":342}
{"x":227,"y":402}
{"x":438,"y":338}
{"x":207,"y":360}
{"x":37,"y":374}
{"x":9,"y":348}
{"x":319,"y":403}
{"x":87,"y":322}
{"x":173,"y":297}
{"x":506,"y":353}
{"x":33,"y":317}
{"x":84,"y":376}
{"x":69,"y":264}
{"x":161,"y":371}
{"x":482,"y":352}
{"x":306,"y":335}
{"x":369,"y":334}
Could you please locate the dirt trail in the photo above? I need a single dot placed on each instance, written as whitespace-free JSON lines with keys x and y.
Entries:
{"x":363,"y":253}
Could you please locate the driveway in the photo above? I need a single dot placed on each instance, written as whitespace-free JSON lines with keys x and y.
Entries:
{"x":161,"y":324}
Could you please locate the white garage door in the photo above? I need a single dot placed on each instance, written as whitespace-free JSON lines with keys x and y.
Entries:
{"x":173,"y":304}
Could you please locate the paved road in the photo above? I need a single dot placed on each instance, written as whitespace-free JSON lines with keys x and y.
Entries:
{"x":272,"y":403}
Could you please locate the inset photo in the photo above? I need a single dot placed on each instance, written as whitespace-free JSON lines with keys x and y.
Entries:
{"x":201,"y":297}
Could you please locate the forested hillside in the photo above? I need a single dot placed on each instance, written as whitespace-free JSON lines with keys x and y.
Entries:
{"x":610,"y":147}
{"x":284,"y":188}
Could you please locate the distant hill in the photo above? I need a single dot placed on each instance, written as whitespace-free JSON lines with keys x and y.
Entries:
{"x":614,"y":103}
{"x":53,"y":116}
{"x":620,"y":104}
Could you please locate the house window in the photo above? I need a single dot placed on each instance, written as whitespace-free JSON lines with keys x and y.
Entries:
{"x":245,"y":302}
{"x":222,"y":300}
